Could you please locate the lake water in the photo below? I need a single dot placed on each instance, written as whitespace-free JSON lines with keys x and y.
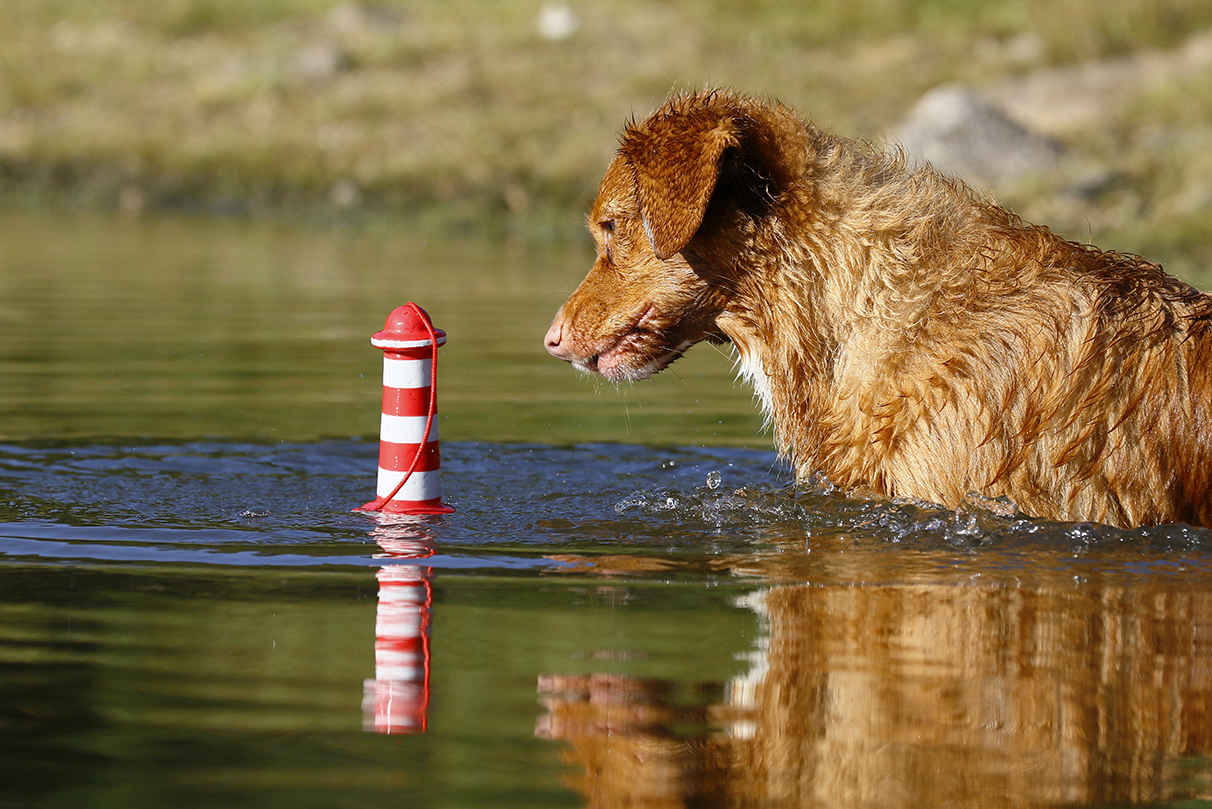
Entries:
{"x":631,"y":606}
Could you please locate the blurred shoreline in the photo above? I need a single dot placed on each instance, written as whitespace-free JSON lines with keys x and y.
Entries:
{"x":498,"y":119}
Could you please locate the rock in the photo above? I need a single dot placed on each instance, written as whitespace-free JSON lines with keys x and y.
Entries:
{"x":556,"y":21}
{"x":316,"y":63}
{"x":345,"y":194}
{"x":960,"y":133}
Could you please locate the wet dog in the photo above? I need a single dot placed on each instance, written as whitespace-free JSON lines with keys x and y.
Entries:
{"x":903,"y":334}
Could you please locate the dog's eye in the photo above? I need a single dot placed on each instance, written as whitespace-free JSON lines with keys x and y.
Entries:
{"x":607,"y":226}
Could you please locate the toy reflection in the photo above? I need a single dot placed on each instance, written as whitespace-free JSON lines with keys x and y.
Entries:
{"x":397,"y":699}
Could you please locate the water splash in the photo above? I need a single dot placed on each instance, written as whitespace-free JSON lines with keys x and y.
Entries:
{"x":817,"y":509}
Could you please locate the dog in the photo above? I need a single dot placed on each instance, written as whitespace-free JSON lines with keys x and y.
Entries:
{"x":904,"y":335}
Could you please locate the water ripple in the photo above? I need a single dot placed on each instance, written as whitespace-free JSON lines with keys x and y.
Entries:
{"x":239,"y":503}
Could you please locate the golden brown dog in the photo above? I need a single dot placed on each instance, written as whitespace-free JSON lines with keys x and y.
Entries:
{"x":903,"y":334}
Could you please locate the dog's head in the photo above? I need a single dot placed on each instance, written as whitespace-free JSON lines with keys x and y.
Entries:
{"x":684,"y":193}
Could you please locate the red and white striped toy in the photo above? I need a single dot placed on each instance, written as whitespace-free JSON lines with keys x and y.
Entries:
{"x":410,"y":480}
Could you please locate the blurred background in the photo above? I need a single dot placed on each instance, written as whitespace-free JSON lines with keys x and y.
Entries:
{"x":499,"y":117}
{"x":222,"y":199}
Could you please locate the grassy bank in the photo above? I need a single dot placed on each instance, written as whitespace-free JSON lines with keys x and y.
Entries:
{"x":463,"y":114}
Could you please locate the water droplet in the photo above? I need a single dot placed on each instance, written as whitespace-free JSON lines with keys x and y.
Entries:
{"x":713,"y":479}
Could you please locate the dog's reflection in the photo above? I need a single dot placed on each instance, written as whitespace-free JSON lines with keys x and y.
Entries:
{"x":917,"y":695}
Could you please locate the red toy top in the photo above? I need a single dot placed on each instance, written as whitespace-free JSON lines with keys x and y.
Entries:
{"x":408,"y":326}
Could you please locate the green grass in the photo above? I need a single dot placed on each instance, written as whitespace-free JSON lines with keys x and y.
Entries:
{"x":458,"y":114}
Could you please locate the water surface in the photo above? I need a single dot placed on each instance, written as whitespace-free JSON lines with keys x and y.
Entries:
{"x":190,"y":328}
{"x":631,"y":606}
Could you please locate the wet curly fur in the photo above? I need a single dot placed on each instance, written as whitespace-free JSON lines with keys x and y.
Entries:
{"x":903,"y":334}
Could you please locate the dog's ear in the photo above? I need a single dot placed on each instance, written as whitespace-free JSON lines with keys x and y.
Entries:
{"x":676,"y":160}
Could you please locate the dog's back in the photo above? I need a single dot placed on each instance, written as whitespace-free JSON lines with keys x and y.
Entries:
{"x":1080,"y":392}
{"x":903,"y":334}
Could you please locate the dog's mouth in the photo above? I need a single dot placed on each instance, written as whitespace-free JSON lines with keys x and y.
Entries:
{"x":620,"y":364}
{"x":639,"y":351}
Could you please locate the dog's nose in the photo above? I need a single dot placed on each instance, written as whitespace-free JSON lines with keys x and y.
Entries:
{"x":554,"y":340}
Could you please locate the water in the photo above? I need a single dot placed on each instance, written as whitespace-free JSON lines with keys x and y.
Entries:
{"x":631,"y":606}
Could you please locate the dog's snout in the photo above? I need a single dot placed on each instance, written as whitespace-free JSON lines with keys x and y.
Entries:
{"x":554,"y":341}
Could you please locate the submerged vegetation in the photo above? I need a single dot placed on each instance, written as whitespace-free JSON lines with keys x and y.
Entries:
{"x":501,"y":116}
